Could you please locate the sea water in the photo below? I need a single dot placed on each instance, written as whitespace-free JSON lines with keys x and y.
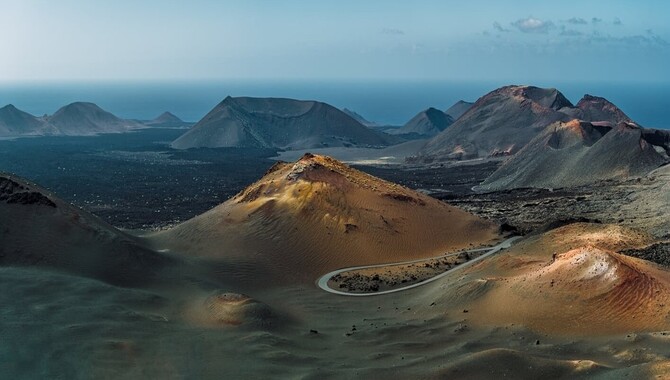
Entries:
{"x":384,"y":102}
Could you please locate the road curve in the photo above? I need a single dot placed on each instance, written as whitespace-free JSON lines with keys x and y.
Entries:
{"x":322,"y":282}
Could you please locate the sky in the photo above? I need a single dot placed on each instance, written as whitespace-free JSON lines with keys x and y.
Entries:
{"x":164,"y":40}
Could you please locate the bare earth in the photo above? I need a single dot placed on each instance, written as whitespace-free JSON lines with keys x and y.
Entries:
{"x":396,"y":276}
{"x":560,"y":303}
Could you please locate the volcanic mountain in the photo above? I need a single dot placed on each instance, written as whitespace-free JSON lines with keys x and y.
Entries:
{"x":81,"y":119}
{"x":277,"y":123}
{"x":499,"y":123}
{"x":359,"y":118}
{"x":594,"y":108}
{"x":38,"y":229}
{"x":304,"y":219}
{"x":577,"y":153}
{"x":503,"y":121}
{"x":429,"y":122}
{"x":167,"y":120}
{"x":458,"y":109}
{"x":14,"y":122}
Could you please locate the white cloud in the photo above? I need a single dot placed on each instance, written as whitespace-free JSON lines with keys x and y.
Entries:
{"x":533,"y":25}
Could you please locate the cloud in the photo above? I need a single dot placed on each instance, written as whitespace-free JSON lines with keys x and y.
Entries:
{"x":499,"y":28}
{"x":596,"y":20}
{"x":617,"y":21}
{"x":393,"y":32}
{"x":577,"y":21}
{"x":533,"y":25}
{"x":569,"y":32}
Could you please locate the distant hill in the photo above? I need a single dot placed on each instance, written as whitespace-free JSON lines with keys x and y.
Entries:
{"x":503,"y":121}
{"x":428,"y":123}
{"x":359,"y":118}
{"x":167,"y":120}
{"x":458,"y":109}
{"x":75,"y":119}
{"x":499,"y":123}
{"x":81,"y":118}
{"x":14,"y":122}
{"x":578,"y":153}
{"x":277,"y":123}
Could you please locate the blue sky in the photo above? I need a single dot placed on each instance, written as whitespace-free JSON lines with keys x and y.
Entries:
{"x":514,"y":41}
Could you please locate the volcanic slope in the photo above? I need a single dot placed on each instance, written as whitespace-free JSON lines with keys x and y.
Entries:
{"x":359,"y":118}
{"x":82,"y":118}
{"x":503,"y":121}
{"x":277,"y":123}
{"x":577,"y":153}
{"x":304,"y":219}
{"x":650,"y":202}
{"x":167,"y":120}
{"x":595,"y":108}
{"x":570,"y":280}
{"x":429,"y":123}
{"x":458,"y":109}
{"x":39,"y":230}
{"x":499,"y":123}
{"x":14,"y":122}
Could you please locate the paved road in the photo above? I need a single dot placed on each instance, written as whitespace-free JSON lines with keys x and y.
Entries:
{"x":323,"y":281}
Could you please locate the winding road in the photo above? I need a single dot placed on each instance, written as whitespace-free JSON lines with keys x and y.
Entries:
{"x":322,"y":282}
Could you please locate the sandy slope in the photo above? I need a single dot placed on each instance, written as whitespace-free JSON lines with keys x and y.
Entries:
{"x":603,"y":317}
{"x":567,"y":281}
{"x":318,"y":215}
{"x":38,"y":229}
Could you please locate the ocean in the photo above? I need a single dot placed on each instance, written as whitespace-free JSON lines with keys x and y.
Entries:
{"x":389,"y":103}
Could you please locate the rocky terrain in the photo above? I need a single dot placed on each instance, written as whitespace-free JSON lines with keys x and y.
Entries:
{"x":396,"y":276}
{"x":578,"y":153}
